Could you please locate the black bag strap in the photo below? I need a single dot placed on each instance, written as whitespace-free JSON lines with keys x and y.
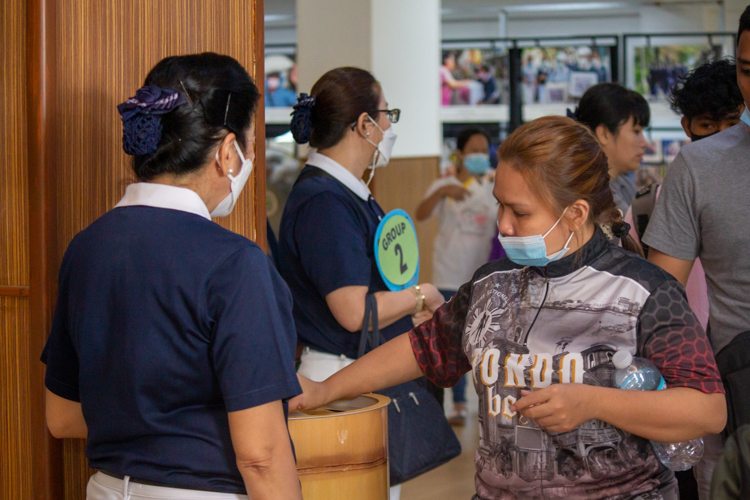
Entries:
{"x":371,"y":335}
{"x":643,"y":207}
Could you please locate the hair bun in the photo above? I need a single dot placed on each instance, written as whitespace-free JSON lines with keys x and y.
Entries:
{"x":302,"y":118}
{"x":620,"y":230}
{"x":141,"y":122}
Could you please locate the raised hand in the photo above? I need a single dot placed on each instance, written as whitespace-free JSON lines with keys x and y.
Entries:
{"x":455,"y":192}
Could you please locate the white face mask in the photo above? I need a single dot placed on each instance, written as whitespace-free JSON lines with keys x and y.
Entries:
{"x":227,"y":204}
{"x":383,"y":151}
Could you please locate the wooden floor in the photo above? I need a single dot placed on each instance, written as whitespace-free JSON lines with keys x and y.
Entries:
{"x":454,"y":480}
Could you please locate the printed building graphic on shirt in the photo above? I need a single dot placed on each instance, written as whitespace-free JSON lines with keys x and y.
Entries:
{"x":526,"y":332}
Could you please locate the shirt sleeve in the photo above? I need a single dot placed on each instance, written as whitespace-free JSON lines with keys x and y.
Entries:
{"x":671,"y":337}
{"x":60,"y":354}
{"x":332,"y":244}
{"x":253,"y":343}
{"x":674,"y":228}
{"x":438,"y":345}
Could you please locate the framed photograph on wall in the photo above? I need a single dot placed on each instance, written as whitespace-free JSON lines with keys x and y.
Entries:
{"x":671,"y":148}
{"x":581,"y":81}
{"x":654,"y":154}
{"x":557,"y":93}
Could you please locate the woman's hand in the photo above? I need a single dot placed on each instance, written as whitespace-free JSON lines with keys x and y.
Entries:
{"x":557,"y":408}
{"x":314,"y":395}
{"x":421,"y":317}
{"x":456,"y":192}
{"x":432,"y":297}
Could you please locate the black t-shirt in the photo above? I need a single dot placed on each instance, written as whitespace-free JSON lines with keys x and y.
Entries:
{"x":164,"y":322}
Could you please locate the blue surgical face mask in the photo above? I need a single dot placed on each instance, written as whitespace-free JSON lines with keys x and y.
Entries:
{"x":477,"y":163}
{"x":746,"y":116}
{"x":532,"y":250}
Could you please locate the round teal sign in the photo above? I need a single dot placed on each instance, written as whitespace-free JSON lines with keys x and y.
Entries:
{"x":397,"y":251}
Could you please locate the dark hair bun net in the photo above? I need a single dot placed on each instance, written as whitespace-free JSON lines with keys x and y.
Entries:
{"x":302,"y":118}
{"x":141,"y":118}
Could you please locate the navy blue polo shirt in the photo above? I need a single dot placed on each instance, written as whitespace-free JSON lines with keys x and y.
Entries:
{"x":165,"y":322}
{"x":326,"y":242}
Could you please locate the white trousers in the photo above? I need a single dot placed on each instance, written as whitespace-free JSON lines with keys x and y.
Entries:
{"x":318,"y":366}
{"x":704,"y":470}
{"x":104,"y":487}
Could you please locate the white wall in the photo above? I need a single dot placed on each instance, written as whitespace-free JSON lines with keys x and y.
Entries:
{"x":331,"y":33}
{"x":406,"y":61}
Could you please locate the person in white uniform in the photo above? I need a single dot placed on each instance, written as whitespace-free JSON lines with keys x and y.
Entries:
{"x":466,"y":212}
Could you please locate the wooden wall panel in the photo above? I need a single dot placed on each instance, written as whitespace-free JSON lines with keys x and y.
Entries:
{"x":14,"y":263}
{"x":402,"y":184}
{"x":103,"y":52}
{"x":16,"y":472}
{"x":16,"y":476}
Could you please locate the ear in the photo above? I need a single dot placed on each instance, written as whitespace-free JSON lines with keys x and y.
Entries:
{"x":686,"y":126}
{"x":460,"y":156}
{"x":603,"y":135}
{"x":577,"y":214}
{"x":363,"y":125}
{"x":226,"y":153}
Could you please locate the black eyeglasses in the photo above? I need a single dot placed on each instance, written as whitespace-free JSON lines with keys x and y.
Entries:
{"x":392,"y":114}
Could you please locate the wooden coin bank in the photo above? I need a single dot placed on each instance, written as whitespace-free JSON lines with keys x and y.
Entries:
{"x":342,"y":449}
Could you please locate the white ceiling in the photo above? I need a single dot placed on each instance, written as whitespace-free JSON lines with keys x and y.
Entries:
{"x":284,"y":11}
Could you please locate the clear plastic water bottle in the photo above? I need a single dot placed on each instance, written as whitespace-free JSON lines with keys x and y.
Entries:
{"x":640,"y":374}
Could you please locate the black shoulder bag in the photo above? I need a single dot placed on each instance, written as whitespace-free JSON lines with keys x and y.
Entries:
{"x":419,"y":436}
{"x":733,"y":362}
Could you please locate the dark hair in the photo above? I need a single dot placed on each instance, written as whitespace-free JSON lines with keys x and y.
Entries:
{"x":744,"y":23}
{"x":710,"y":89}
{"x":447,"y":54}
{"x":219,"y":95}
{"x":562,"y":161}
{"x":612,"y":105}
{"x":340,"y":96}
{"x":463,"y":137}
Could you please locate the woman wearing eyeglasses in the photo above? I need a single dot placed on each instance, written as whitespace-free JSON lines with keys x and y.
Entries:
{"x":329,"y":223}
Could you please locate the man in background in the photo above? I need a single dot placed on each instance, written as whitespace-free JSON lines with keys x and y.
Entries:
{"x":702,"y":212}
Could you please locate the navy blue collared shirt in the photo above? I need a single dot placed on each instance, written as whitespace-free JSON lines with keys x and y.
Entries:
{"x":327,"y":242}
{"x":165,"y":322}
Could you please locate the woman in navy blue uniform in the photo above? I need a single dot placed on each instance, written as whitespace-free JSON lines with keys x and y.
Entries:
{"x":172,"y":345}
{"x":329,"y":223}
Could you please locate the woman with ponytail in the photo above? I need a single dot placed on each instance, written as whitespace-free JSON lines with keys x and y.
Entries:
{"x":328,"y":229}
{"x":538,"y":330}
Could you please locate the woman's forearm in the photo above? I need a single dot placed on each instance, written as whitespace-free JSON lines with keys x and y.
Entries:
{"x":424,"y":210}
{"x":260,"y":439}
{"x":392,"y":306}
{"x":391,"y":364}
{"x":668,"y":416}
{"x":347,"y":305}
{"x":271,"y":480}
